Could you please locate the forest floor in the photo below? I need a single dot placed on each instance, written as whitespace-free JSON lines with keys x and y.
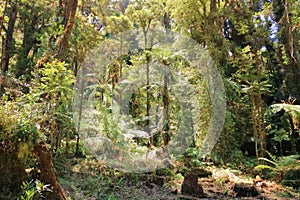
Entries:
{"x":87,"y":179}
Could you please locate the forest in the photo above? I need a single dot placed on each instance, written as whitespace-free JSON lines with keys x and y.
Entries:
{"x":149,"y":99}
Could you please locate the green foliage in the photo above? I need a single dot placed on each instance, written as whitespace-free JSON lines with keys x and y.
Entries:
{"x":293,"y":110}
{"x":48,"y":102}
{"x":39,"y":115}
{"x":56,"y":82}
{"x":33,"y":190}
{"x":255,"y":44}
{"x":251,"y":73}
{"x":281,"y":120}
{"x":194,"y":18}
{"x":249,"y":163}
{"x":108,"y":126}
{"x":191,"y":158}
{"x":227,"y":149}
{"x":277,"y":167}
{"x":119,"y":24}
{"x":193,"y":152}
{"x":83,"y":39}
{"x":29,"y":191}
{"x":8,"y":119}
{"x":145,"y":13}
{"x":26,"y":132}
{"x":179,"y":177}
{"x":17,"y":139}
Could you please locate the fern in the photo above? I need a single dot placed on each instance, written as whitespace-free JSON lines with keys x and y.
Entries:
{"x":289,"y":161}
{"x":287,"y":107}
{"x":273,"y":157}
{"x":280,"y":164}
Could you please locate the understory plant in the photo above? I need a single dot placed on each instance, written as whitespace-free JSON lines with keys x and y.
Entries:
{"x":276,"y":167}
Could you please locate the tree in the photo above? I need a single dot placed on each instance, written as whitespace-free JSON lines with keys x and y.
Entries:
{"x":287,"y":18}
{"x":7,"y":43}
{"x":47,"y":96}
{"x":146,"y":14}
{"x":69,"y":8}
{"x":34,"y":23}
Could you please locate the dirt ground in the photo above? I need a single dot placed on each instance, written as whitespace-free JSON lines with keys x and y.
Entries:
{"x":93,"y":181}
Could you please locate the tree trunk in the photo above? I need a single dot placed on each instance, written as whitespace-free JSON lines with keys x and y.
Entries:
{"x":291,"y":85}
{"x":70,"y":7}
{"x":148,"y":98}
{"x":29,"y":40}
{"x":261,"y":125}
{"x":166,"y":136}
{"x":258,"y":125}
{"x":254,"y":123}
{"x":69,"y":14}
{"x":7,"y":51}
{"x":48,"y":172}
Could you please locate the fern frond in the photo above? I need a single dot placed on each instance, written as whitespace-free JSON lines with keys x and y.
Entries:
{"x":289,"y":161}
{"x":273,"y":157}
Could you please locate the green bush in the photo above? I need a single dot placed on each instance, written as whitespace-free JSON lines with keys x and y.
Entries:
{"x":16,"y":146}
{"x":12,"y":170}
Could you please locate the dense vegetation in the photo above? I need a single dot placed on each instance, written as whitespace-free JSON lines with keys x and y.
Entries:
{"x":47,"y":54}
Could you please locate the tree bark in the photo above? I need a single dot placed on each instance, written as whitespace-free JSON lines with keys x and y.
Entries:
{"x":258,"y":126}
{"x":29,"y":40}
{"x":70,"y":7}
{"x":7,"y":51}
{"x":254,"y":123}
{"x":291,"y":86}
{"x":166,"y":136}
{"x":48,"y":172}
{"x":69,"y":14}
{"x":261,"y":125}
